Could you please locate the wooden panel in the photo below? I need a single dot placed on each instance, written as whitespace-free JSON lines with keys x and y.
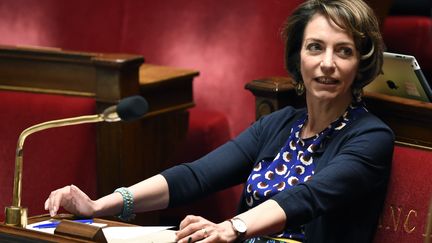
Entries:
{"x":18,"y":234}
{"x":64,"y":72}
{"x":409,"y":119}
{"x":126,"y":152}
{"x":175,"y":82}
{"x":273,"y":93}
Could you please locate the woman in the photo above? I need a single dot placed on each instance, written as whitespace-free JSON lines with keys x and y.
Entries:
{"x":313,"y":175}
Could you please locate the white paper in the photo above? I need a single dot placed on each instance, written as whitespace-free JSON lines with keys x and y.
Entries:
{"x":139,"y":234}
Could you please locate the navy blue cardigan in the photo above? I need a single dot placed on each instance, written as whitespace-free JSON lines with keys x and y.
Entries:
{"x":343,"y":200}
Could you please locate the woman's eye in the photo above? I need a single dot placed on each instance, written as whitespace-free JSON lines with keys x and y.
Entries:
{"x":314,"y":47}
{"x":345,"y":51}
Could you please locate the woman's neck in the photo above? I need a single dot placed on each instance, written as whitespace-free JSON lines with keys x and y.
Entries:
{"x":321,"y":114}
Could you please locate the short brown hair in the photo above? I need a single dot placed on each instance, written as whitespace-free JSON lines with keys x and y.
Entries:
{"x":355,"y":17}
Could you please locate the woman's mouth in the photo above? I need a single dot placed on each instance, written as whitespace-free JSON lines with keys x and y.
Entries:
{"x":326,"y":80}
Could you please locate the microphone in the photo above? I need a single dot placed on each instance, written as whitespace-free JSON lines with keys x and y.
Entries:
{"x":128,"y":109}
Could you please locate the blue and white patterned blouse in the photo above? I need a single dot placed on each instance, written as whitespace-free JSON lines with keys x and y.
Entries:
{"x":294,"y":164}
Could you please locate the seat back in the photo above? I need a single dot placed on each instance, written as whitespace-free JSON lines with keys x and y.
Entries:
{"x":410,"y":189}
{"x":52,"y":158}
{"x":406,"y":207}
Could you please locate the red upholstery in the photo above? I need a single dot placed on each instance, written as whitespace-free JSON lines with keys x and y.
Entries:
{"x":411,"y":35}
{"x":409,"y":193}
{"x":52,"y":158}
{"x":229,"y":42}
{"x":207,"y":130}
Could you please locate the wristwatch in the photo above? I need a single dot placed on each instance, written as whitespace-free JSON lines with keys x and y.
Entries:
{"x":239,"y":226}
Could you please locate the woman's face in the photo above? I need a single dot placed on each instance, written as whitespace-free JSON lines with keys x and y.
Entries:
{"x":328,"y":61}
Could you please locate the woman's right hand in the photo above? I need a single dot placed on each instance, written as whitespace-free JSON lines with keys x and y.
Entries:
{"x":72,"y":199}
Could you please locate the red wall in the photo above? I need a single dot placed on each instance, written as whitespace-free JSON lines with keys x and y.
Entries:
{"x":229,"y":42}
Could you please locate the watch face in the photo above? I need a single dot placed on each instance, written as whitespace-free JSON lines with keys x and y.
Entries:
{"x":239,"y":225}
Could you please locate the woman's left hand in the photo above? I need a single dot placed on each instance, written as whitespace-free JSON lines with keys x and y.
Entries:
{"x":198,"y":229}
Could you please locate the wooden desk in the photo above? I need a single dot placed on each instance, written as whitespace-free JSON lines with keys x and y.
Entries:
{"x":76,"y":234}
{"x":18,"y":234}
{"x":126,"y":152}
{"x":409,"y":119}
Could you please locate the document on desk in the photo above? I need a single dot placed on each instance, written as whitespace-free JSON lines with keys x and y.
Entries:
{"x":49,"y":226}
{"x":115,"y":234}
{"x":142,"y":234}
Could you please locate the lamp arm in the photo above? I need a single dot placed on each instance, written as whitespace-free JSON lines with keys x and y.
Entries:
{"x":15,"y":215}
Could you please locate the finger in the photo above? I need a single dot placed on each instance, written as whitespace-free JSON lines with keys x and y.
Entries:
{"x":57,"y":198}
{"x":200,"y":235}
{"x":189,"y":238}
{"x":204,"y":235}
{"x":188,"y":226}
{"x":50,"y":202}
{"x":191,"y":231}
{"x":210,"y":238}
{"x":203,"y":232}
{"x":185,"y":233}
{"x":46,"y":204}
{"x":185,"y":240}
{"x":188,"y":220}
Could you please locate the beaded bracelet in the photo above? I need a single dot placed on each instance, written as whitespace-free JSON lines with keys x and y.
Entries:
{"x":128,"y":204}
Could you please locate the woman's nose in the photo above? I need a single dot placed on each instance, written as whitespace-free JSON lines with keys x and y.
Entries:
{"x":327,"y":63}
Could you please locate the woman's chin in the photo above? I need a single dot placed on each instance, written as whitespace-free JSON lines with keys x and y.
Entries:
{"x":326,"y":96}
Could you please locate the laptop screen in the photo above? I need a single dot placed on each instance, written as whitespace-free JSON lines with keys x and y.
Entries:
{"x":403,"y":77}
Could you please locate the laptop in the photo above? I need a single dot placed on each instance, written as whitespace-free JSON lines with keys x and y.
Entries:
{"x":401,"y":77}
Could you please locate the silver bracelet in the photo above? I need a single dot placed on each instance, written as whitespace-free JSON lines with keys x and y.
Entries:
{"x":128,"y":204}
